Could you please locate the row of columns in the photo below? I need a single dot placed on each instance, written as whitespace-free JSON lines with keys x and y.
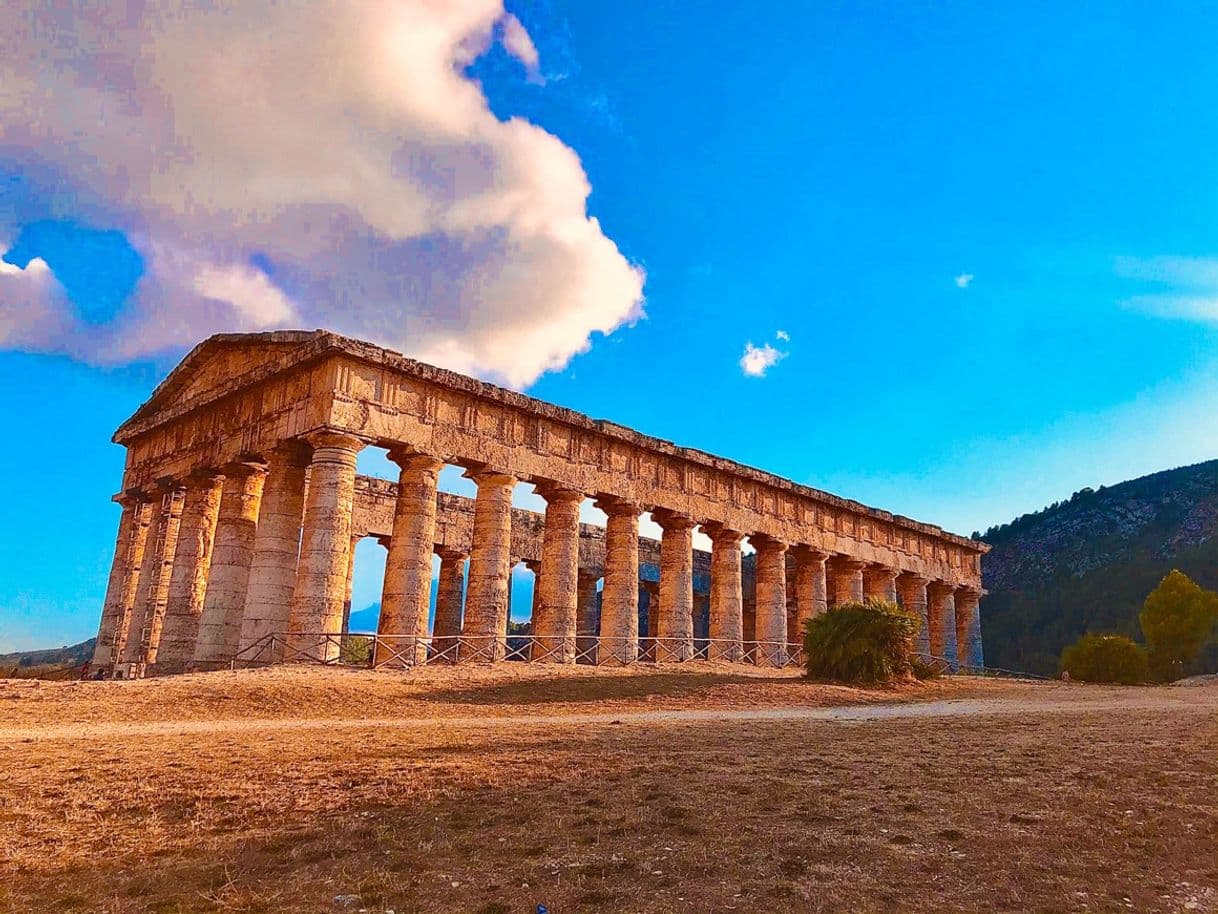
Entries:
{"x":226,"y":558}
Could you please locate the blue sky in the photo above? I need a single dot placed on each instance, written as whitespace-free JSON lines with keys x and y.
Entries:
{"x":986,"y":232}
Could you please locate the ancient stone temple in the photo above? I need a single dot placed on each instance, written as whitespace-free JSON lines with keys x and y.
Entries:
{"x":241,"y":508}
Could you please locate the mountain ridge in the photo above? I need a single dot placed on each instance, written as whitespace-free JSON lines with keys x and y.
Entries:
{"x":1087,"y":563}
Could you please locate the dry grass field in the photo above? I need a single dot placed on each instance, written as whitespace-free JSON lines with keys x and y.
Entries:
{"x":702,"y":789}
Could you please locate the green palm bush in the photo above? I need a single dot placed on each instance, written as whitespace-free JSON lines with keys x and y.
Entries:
{"x":864,"y":642}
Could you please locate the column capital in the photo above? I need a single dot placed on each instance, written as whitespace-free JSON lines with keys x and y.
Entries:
{"x":409,"y":459}
{"x":451,"y":554}
{"x":878,"y":569}
{"x":383,"y":540}
{"x":167,"y":484}
{"x":912,"y":577}
{"x":969,"y":590}
{"x":765,"y":543}
{"x":804,"y":553}
{"x":204,"y":478}
{"x":615,"y":506}
{"x":240,"y":469}
{"x":941,"y":588}
{"x":484,"y":475}
{"x":130,"y":498}
{"x":534,"y":565}
{"x":293,"y":452}
{"x":846,"y":563}
{"x":673,"y":521}
{"x":722,"y":535}
{"x":557,"y":493}
{"x":333,"y":439}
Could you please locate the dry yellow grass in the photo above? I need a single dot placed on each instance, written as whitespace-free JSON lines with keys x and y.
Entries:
{"x":495,"y":790}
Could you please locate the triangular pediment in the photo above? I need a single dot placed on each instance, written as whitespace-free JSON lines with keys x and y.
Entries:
{"x":217,"y":366}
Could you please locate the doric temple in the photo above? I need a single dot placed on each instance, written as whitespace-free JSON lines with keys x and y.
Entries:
{"x":241,"y":508}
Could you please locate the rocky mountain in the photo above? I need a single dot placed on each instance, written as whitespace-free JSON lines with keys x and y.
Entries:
{"x":1086,"y":564}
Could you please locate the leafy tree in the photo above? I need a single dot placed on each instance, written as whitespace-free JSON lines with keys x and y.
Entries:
{"x":1106,"y":658}
{"x":1177,"y":620}
{"x":861,"y":642}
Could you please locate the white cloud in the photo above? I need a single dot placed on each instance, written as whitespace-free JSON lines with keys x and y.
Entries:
{"x":757,"y":360}
{"x":33,"y":308}
{"x":518,"y":43}
{"x":963,"y":280}
{"x":783,"y":335}
{"x":1191,"y":286}
{"x":376,"y":192}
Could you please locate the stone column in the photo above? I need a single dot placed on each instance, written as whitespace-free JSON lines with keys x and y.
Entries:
{"x":272,"y":574}
{"x":674,"y":624}
{"x":406,"y":598}
{"x":771,"y":600}
{"x":846,"y":580}
{"x":325,"y":544}
{"x":511,"y":586}
{"x":555,"y":613}
{"x":942,"y":613}
{"x":350,"y":591}
{"x":124,"y":576}
{"x":810,"y":589}
{"x":880,"y":583}
{"x":968,"y":628}
{"x":748,"y":589}
{"x":191,"y":567}
{"x":221,"y":621}
{"x":449,"y":597}
{"x":649,"y":611}
{"x":534,"y":565}
{"x":912,"y":589}
{"x":152,"y":591}
{"x":620,"y":594}
{"x":726,"y":597}
{"x":484,"y":633}
{"x":701,"y":623}
{"x":586,"y":617}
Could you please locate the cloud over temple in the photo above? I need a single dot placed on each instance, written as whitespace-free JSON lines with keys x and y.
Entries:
{"x":279,"y":165}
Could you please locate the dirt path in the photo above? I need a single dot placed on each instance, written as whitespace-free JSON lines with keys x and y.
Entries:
{"x":1134,"y":701}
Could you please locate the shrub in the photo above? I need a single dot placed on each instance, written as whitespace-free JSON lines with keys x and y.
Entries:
{"x":861,"y":642}
{"x":924,"y":670}
{"x":356,"y":650}
{"x":1177,"y":619}
{"x":1106,"y":658}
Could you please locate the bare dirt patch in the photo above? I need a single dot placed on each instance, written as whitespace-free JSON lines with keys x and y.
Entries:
{"x":1071,"y":799}
{"x":511,"y":688}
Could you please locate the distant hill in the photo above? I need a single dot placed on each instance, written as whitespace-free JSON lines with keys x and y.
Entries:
{"x":1086,"y":564}
{"x":364,"y":620}
{"x":72,"y":655}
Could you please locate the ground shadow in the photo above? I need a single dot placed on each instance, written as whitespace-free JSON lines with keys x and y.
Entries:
{"x":592,"y":689}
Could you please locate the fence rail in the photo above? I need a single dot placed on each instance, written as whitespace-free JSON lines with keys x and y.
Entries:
{"x":373,"y":651}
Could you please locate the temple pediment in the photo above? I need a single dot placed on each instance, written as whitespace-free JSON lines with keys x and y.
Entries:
{"x":219,"y":365}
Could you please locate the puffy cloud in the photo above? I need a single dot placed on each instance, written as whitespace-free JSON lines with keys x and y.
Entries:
{"x":281,"y":164}
{"x":33,"y":308}
{"x":757,"y":360}
{"x":1190,"y":286}
{"x":963,"y":280}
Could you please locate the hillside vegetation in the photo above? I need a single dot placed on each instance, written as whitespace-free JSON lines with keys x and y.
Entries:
{"x":1087,"y":564}
{"x":31,"y":663}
